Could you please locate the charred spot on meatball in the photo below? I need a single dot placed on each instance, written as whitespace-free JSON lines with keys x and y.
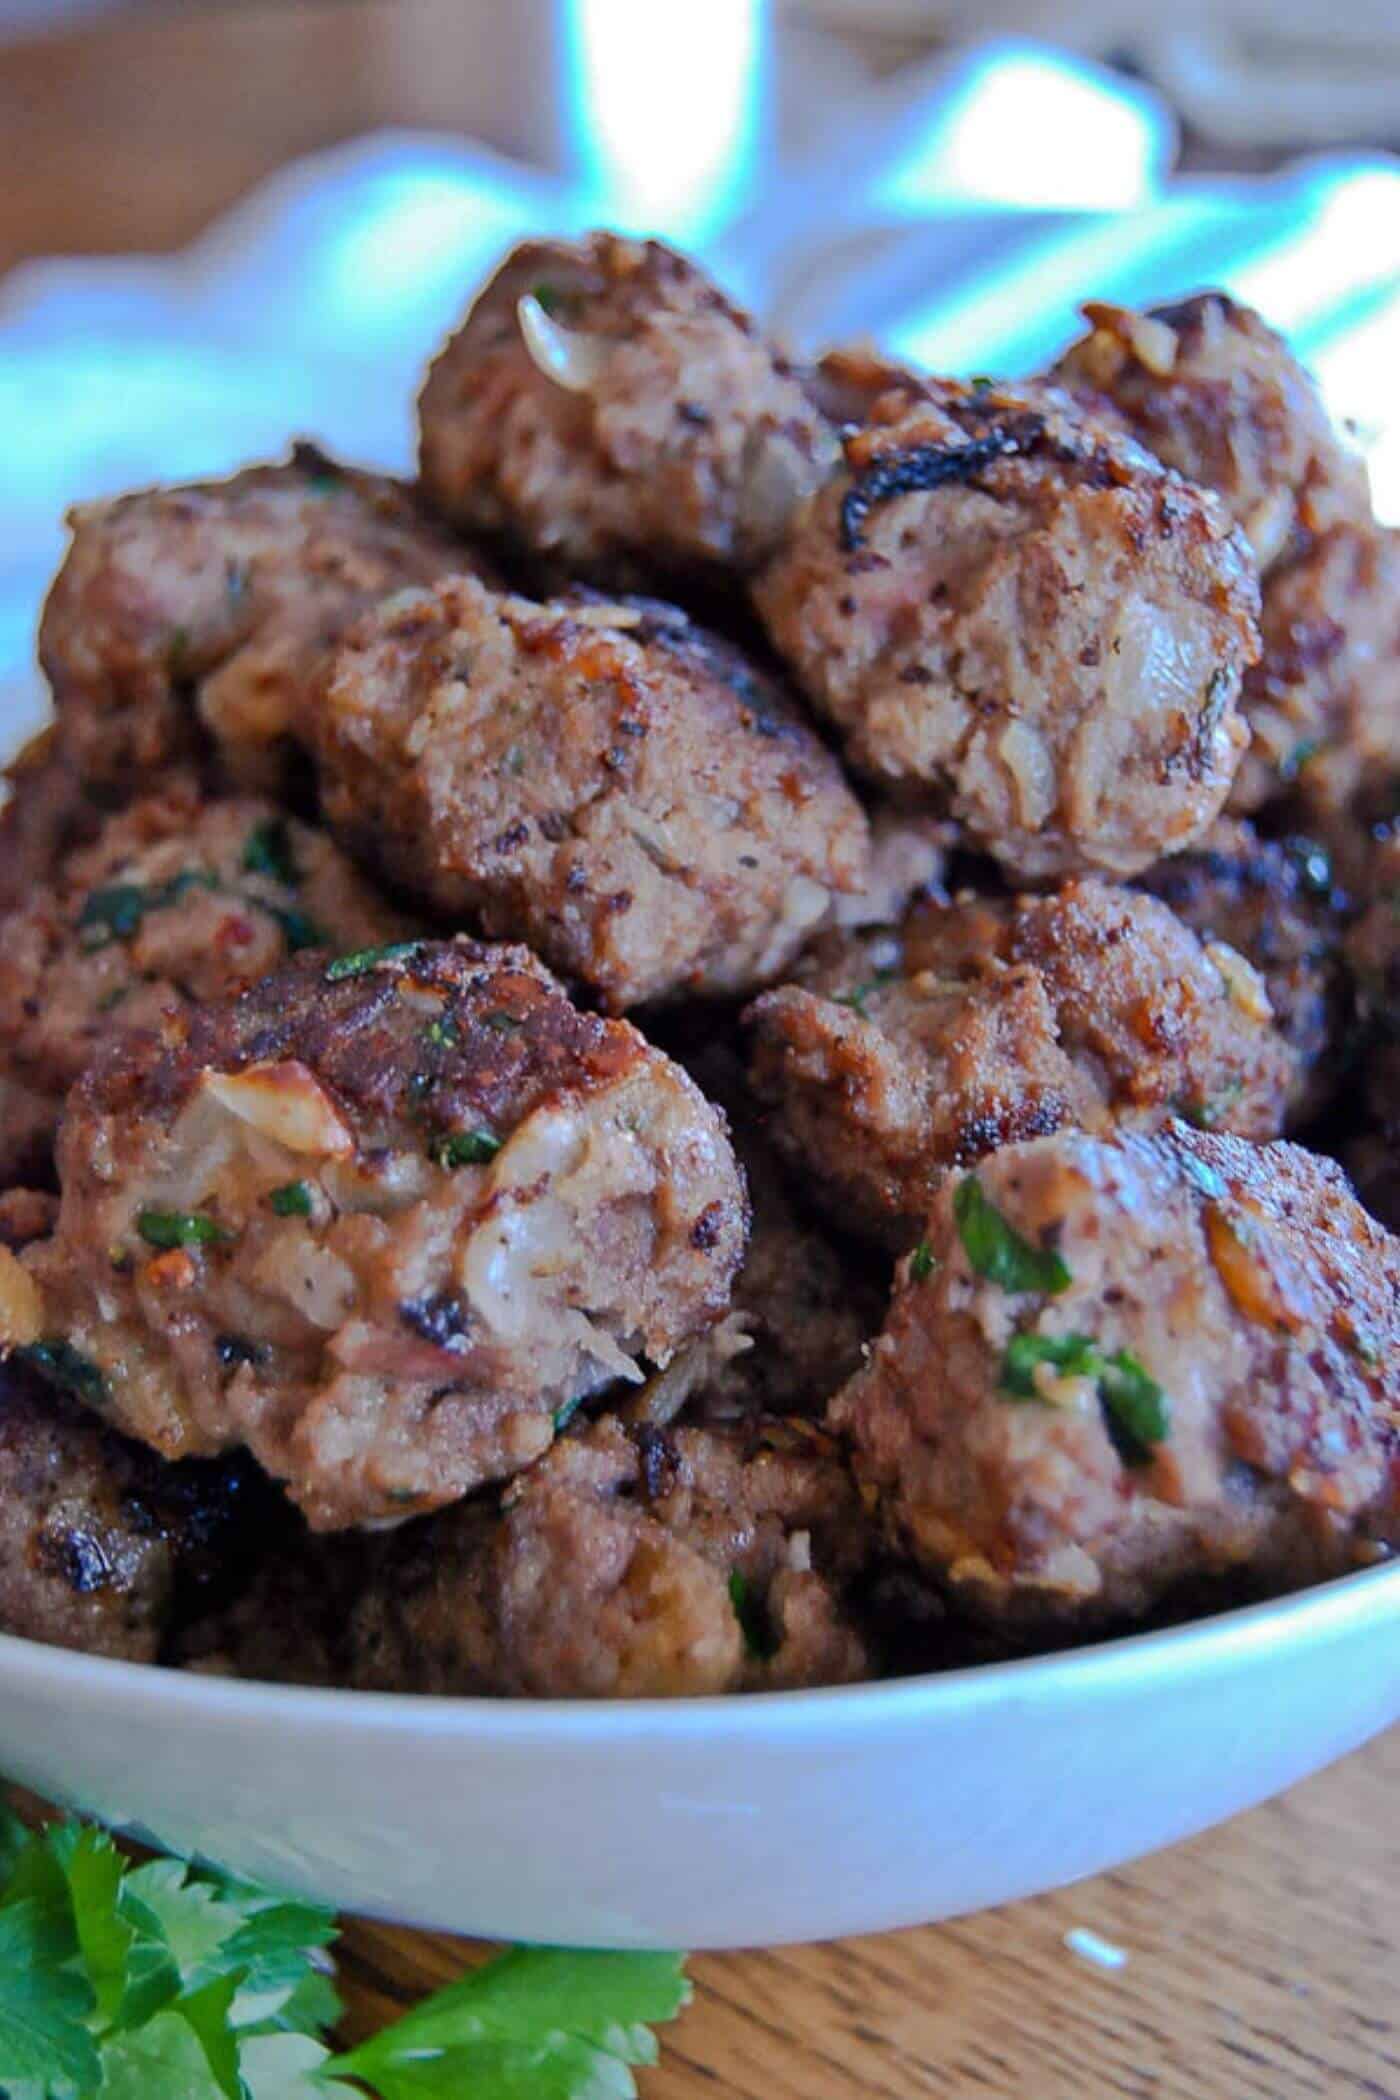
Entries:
{"x":440,"y":1205}
{"x":606,"y":781}
{"x":1121,"y":1364}
{"x":604,"y":405}
{"x":1010,"y":610}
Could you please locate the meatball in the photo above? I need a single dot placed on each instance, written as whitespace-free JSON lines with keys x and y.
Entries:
{"x":385,"y":1222}
{"x":909,"y":852}
{"x":1021,"y":616}
{"x":176,"y":902}
{"x":1276,"y":902}
{"x":1373,"y":954}
{"x":606,"y":406}
{"x":1113,"y":1365}
{"x":901,"y":1055}
{"x":187,"y":614}
{"x":103,"y":1547}
{"x":48,"y":810}
{"x":1323,"y":702}
{"x":1210,"y":388}
{"x":629,"y":1563}
{"x":609,"y":783}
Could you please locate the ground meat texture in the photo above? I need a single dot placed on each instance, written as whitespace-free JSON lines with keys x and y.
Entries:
{"x":630,"y":1564}
{"x":182,"y":615}
{"x":1323,"y":702}
{"x":909,"y":852}
{"x":1277,"y":903}
{"x":606,"y":406}
{"x":384,"y":1222}
{"x":1019,"y":615}
{"x":102,"y":1547}
{"x":1210,"y":388}
{"x":1114,"y":1366}
{"x":177,"y":901}
{"x":609,"y":783}
{"x":899,"y":1056}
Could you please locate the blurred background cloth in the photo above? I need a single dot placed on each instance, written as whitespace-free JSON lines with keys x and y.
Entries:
{"x":268,"y":215}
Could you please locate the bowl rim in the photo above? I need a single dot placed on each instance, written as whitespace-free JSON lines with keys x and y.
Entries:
{"x":1303,"y":1617}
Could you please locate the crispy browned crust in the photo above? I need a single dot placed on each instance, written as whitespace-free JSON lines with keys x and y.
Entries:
{"x":1244,"y":1280}
{"x":689,"y":449}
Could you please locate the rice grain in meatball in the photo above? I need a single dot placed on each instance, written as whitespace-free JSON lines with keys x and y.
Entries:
{"x":899,"y":1056}
{"x":103,"y":1547}
{"x":630,"y":1564}
{"x":178,"y":901}
{"x":386,"y":1222}
{"x":185,"y":615}
{"x":609,"y":783}
{"x":606,"y":406}
{"x":1012,"y":611}
{"x":1210,"y":389}
{"x":1113,"y":1366}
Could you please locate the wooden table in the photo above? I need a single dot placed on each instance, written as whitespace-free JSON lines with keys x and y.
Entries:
{"x":1263,"y":1964}
{"x":1263,"y":1957}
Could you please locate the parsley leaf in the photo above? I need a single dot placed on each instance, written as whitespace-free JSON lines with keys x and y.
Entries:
{"x":922,"y":1263}
{"x":1135,"y":1409}
{"x":366,"y":959}
{"x":67,"y":1368}
{"x":291,"y":1200}
{"x":758,"y":1639}
{"x":42,"y":2009}
{"x":269,"y":852}
{"x":466,"y":1148}
{"x":1073,"y":1354}
{"x":178,"y":1228}
{"x":997,"y":1250}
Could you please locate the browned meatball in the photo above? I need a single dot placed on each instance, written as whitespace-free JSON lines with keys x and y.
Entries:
{"x":182,"y":614}
{"x":609,"y":783}
{"x":641,"y":1563}
{"x":1115,"y":1364}
{"x":48,"y":810}
{"x":1210,"y":388}
{"x":1003,"y":605}
{"x":384,"y":1221}
{"x":1275,"y":901}
{"x":901,"y":1055}
{"x":177,"y":901}
{"x":604,"y":404}
{"x":102,"y":1547}
{"x":1323,"y":702}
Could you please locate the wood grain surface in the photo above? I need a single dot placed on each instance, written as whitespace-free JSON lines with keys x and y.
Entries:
{"x":1263,"y":1964}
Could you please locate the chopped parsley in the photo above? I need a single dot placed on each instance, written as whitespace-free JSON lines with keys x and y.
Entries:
{"x":502,"y":1022}
{"x":363,"y":960}
{"x":858,"y":995}
{"x":1134,"y":1407}
{"x":442,"y":1033}
{"x":269,"y":852}
{"x":922,"y":1262}
{"x":753,"y":1623}
{"x":1205,"y":1115}
{"x":565,"y":1414}
{"x":68,"y":1368}
{"x":292,"y":1200}
{"x":115,"y":912}
{"x":179,"y":1228}
{"x":997,"y":1251}
{"x":466,"y":1148}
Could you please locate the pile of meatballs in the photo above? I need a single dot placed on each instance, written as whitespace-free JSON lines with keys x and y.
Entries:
{"x":670,"y":1060}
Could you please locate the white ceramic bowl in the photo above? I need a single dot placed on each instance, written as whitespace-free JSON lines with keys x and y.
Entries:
{"x":717,"y":1822}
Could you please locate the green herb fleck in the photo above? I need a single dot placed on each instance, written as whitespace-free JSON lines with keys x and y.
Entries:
{"x":922,"y":1262}
{"x":298,"y":931}
{"x":466,"y":1148}
{"x":179,"y":1228}
{"x":502,"y":1022}
{"x":269,"y":852}
{"x":861,"y":992}
{"x":116,"y":912}
{"x":442,"y":1033}
{"x":292,"y":1200}
{"x":548,"y":297}
{"x":67,"y":1367}
{"x":1300,"y":756}
{"x":753,"y":1622}
{"x":1134,"y":1407}
{"x":366,"y":959}
{"x":565,"y":1414}
{"x":997,"y":1251}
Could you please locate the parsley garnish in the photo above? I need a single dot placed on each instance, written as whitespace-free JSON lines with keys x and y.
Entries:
{"x":116,"y":912}
{"x":365,"y":959}
{"x":1135,"y":1410}
{"x":442,"y":1033}
{"x":269,"y":852}
{"x":291,"y":1200}
{"x":466,"y":1148}
{"x":997,"y":1251}
{"x":67,"y":1367}
{"x":922,"y":1262}
{"x":177,"y":1982}
{"x":858,"y":995}
{"x":178,"y":1228}
{"x":753,"y":1623}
